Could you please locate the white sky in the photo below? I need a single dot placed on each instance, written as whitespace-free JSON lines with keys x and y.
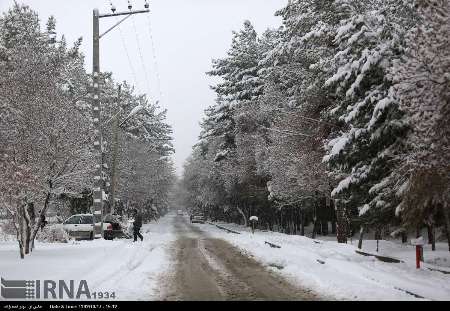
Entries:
{"x":187,"y":35}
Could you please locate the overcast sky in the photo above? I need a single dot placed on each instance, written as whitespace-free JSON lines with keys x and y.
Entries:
{"x":187,"y":34}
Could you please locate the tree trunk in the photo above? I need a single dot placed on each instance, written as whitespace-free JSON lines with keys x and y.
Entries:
{"x":325,"y":228}
{"x":430,"y":234}
{"x":418,"y":232}
{"x":314,"y":220}
{"x":378,"y":236}
{"x":243,"y":215}
{"x":361,"y":235}
{"x":341,"y":223}
{"x":281,"y":222}
{"x":20,"y":232}
{"x":404,"y":237}
{"x":22,"y":254}
{"x":37,"y":225}
{"x":431,"y":237}
{"x":27,"y":240}
{"x":314,"y":230}
{"x":302,"y":228}
{"x":433,"y":244}
{"x":23,"y":229}
{"x":447,"y":224}
{"x":293,"y":224}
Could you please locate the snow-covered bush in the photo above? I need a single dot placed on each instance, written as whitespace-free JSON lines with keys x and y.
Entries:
{"x":53,"y":234}
{"x":7,"y":231}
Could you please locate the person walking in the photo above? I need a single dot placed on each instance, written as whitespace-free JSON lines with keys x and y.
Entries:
{"x":43,"y":222}
{"x":137,"y":225}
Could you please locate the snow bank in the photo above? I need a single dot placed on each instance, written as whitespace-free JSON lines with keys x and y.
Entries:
{"x":53,"y":233}
{"x":337,"y":272}
{"x":131,"y":270}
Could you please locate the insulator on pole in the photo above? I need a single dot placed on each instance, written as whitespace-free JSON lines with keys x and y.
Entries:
{"x":113,"y":7}
{"x":146,"y":4}
{"x":129,"y":5}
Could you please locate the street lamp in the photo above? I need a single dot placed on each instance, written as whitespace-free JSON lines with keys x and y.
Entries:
{"x":99,"y":179}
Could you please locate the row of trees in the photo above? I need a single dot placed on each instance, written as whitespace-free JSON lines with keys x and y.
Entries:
{"x":46,"y":129}
{"x":341,"y":115}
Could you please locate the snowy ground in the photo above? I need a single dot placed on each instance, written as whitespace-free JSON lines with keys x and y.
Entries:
{"x":131,"y":270}
{"x":344,"y":274}
{"x":134,"y":271}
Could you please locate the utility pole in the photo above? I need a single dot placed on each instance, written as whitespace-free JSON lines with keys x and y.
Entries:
{"x":115,"y":155}
{"x":99,"y":178}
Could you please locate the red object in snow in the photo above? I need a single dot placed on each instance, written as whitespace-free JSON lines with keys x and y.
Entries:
{"x":419,"y":249}
{"x":418,"y":255}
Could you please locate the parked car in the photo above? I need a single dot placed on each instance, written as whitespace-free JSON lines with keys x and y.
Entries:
{"x":198,"y":218}
{"x":80,"y":227}
{"x":180,"y":212}
{"x":114,"y":229}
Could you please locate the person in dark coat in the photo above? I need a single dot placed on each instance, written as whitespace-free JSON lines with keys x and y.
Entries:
{"x":43,"y":222}
{"x":137,"y":226}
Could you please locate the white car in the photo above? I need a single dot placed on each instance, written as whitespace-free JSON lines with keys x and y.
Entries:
{"x":180,"y":212}
{"x":198,"y":218}
{"x":80,"y":226}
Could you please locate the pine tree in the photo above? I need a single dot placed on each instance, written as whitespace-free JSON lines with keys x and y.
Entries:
{"x":362,"y":154}
{"x":422,"y":88}
{"x":296,"y":69}
{"x":241,"y":83}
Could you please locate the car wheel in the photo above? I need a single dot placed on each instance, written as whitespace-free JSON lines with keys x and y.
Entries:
{"x":91,"y":236}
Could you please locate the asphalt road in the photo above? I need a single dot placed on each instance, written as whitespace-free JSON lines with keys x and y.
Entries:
{"x":209,"y":269}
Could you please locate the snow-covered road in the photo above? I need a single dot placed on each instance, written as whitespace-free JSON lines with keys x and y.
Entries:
{"x":208,"y":268}
{"x":338,"y":271}
{"x":178,"y":260}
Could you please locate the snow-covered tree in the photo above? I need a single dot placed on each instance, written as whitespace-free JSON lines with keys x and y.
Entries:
{"x":240,"y":83}
{"x":368,"y":80}
{"x":44,"y":132}
{"x":46,"y":127}
{"x":295,"y":97}
{"x":361,"y":154}
{"x":140,"y":141}
{"x":422,"y":88}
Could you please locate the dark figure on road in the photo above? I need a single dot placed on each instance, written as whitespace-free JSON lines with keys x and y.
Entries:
{"x":137,"y":226}
{"x":43,"y":221}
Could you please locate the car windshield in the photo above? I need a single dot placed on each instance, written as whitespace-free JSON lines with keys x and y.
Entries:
{"x":86,"y":219}
{"x":73,"y":220}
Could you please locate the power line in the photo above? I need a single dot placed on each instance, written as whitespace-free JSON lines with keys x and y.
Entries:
{"x":133,"y":72}
{"x":155,"y":62}
{"x":141,"y":57}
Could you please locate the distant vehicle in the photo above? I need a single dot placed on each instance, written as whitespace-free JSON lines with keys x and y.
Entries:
{"x":80,"y":227}
{"x":180,"y":212}
{"x":198,"y":218}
